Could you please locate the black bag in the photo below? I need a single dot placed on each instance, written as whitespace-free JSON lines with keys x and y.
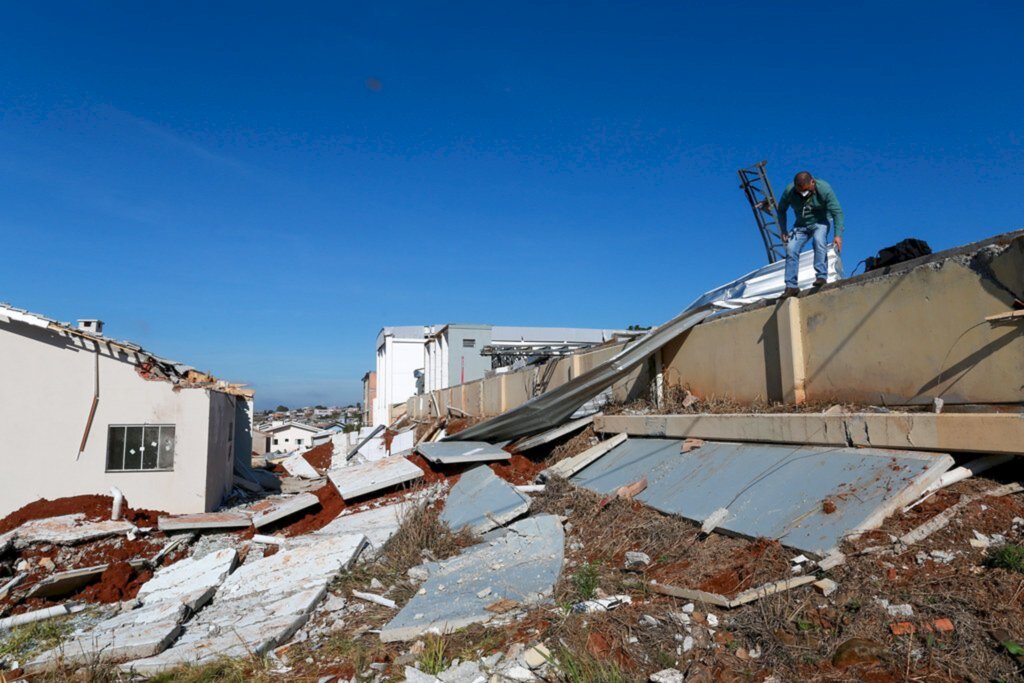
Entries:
{"x":906,"y":250}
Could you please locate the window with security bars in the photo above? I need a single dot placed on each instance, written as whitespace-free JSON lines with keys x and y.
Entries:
{"x":133,"y":448}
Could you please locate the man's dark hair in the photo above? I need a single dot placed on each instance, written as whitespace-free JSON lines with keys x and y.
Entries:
{"x":802,"y":179}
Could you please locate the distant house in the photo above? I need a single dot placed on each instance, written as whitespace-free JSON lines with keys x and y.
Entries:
{"x":289,"y":436}
{"x":81,"y":412}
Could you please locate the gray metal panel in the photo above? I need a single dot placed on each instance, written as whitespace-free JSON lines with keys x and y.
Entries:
{"x":770,"y":491}
{"x":481,"y":500}
{"x":450,"y":452}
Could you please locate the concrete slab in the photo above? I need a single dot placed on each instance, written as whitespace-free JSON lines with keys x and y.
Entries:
{"x":167,"y":599}
{"x":377,"y":524}
{"x":570,"y":466}
{"x":204,"y":520}
{"x":66,"y":582}
{"x":481,"y":501}
{"x":297,"y":466}
{"x":770,"y":491}
{"x":521,"y":566}
{"x":453,"y":452}
{"x":183,"y":579}
{"x":358,"y":480}
{"x":261,"y":605}
{"x":65,"y":530}
{"x":271,"y":510}
{"x":552,"y":434}
{"x":960,"y":432}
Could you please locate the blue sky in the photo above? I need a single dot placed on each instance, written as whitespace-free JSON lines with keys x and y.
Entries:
{"x":220,"y":182}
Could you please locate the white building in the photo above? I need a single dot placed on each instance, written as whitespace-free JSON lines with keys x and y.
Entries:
{"x":286,"y":437}
{"x":460,"y":353}
{"x":80,"y":413}
{"x":399,"y":356}
{"x":446,"y":355}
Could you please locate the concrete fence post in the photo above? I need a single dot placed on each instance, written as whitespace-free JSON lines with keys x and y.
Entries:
{"x":792,"y":361}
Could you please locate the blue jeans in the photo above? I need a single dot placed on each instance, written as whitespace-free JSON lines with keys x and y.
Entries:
{"x":797,"y":239}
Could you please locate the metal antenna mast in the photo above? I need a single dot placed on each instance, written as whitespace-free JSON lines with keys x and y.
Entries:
{"x":754,"y":182}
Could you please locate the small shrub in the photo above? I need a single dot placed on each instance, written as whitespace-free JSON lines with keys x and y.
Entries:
{"x":585,"y":581}
{"x":1009,"y":557}
{"x":433,"y":661}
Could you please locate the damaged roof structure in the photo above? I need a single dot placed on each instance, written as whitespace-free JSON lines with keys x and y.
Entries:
{"x":729,"y":456}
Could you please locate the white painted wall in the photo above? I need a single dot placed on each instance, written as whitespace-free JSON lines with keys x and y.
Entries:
{"x":46,"y":389}
{"x":397,"y":359}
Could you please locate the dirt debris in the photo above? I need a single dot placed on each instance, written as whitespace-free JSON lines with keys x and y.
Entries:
{"x":95,"y":508}
{"x":320,"y":456}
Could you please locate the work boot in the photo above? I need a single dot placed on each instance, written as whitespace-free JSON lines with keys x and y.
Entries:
{"x":790,"y":291}
{"x":820,"y":282}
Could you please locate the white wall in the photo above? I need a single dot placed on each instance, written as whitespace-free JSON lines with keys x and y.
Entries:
{"x":46,"y":389}
{"x":397,"y":359}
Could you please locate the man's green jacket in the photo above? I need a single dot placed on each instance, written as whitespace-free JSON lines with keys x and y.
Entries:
{"x":814,"y":208}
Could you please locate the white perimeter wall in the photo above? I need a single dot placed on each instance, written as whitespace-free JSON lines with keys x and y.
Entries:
{"x":46,"y":389}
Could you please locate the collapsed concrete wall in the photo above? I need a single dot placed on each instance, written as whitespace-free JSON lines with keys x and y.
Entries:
{"x":48,"y":383}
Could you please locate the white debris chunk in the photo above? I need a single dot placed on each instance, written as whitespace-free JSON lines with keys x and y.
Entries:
{"x":370,"y":597}
{"x":602,"y":604}
{"x":637,"y":559}
{"x":667,"y":676}
{"x":826,"y":586}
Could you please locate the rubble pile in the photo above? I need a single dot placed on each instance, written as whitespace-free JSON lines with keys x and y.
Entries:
{"x":574,"y":560}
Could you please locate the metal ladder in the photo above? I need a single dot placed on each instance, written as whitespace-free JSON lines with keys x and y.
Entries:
{"x":754,"y":183}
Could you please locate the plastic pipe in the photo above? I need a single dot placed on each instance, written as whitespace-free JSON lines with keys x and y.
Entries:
{"x":115,"y":513}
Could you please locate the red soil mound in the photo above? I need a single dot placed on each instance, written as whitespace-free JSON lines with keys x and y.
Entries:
{"x":320,"y":457}
{"x":119,"y":582}
{"x":331,"y":504}
{"x":94,"y":507}
{"x":517,"y":470}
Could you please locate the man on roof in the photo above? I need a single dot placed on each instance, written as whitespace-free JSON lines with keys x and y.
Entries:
{"x":812,"y":201}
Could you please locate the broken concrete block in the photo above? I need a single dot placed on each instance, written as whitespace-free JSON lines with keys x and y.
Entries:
{"x":481,"y":501}
{"x":520,"y":567}
{"x":272,"y":510}
{"x":414,"y":675}
{"x":667,"y":676}
{"x":186,"y":580}
{"x":203,"y":521}
{"x":64,"y":530}
{"x":297,"y":466}
{"x":826,"y":586}
{"x":454,"y":452}
{"x":636,"y":559}
{"x":536,"y":656}
{"x":377,"y":524}
{"x":66,"y":582}
{"x":359,"y":480}
{"x":261,"y":605}
{"x":167,"y":599}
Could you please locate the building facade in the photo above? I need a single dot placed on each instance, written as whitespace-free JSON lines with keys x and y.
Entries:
{"x":81,"y":413}
{"x":399,"y":357}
